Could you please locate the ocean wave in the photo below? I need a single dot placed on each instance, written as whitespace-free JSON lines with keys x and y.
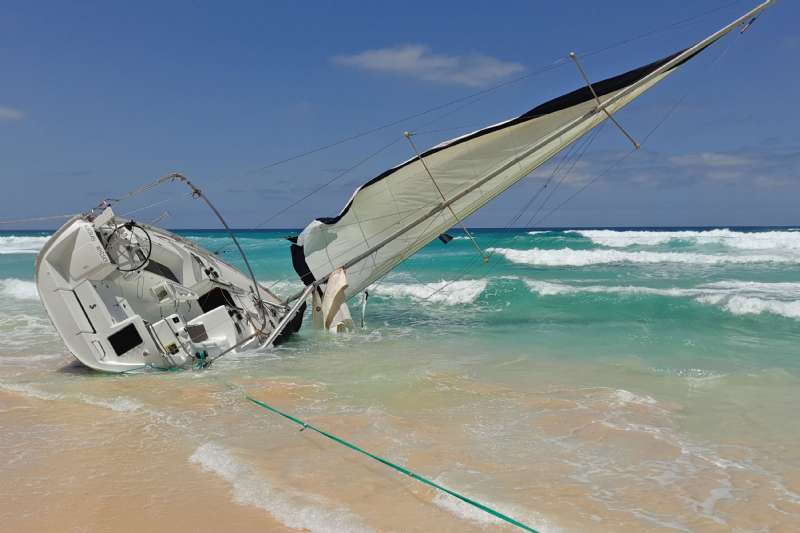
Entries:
{"x":295,"y":510}
{"x":283,"y":287}
{"x":18,"y":289}
{"x":15,"y":244}
{"x":748,"y":305}
{"x":19,"y":329}
{"x":570,"y":257}
{"x":761,"y":240}
{"x":443,"y":292}
{"x":735,"y":297}
{"x":215,"y":243}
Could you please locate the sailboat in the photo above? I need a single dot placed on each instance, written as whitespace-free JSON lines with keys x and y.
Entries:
{"x":126,"y":295}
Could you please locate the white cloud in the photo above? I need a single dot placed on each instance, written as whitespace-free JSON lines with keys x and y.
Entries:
{"x":761,"y":167}
{"x":418,"y":61}
{"x":9,"y":113}
{"x":711,"y":160}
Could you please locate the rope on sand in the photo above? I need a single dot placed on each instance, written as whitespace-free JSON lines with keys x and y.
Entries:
{"x":401,"y":469}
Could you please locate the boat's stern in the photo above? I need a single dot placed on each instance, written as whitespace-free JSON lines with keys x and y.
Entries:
{"x":125,"y":296}
{"x":85,"y":306}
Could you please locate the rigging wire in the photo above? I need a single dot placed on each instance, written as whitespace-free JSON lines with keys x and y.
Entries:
{"x":556,"y":64}
{"x":483,"y":92}
{"x":565,"y":155}
{"x":596,"y":178}
{"x":487,"y":256}
{"x":581,"y":152}
{"x":187,"y":196}
{"x":655,"y":128}
{"x":37,"y":219}
{"x":579,"y":155}
{"x":399,"y":121}
{"x":320,"y":187}
{"x":663,"y":29}
{"x":471,"y":99}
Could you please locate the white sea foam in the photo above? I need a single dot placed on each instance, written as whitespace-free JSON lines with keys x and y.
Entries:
{"x":625,"y":397}
{"x":295,"y":510}
{"x":746,"y":305}
{"x":762,"y":240}
{"x":735,"y":297}
{"x":24,"y":330}
{"x":570,"y":257}
{"x":15,"y":244}
{"x":483,"y":519}
{"x":31,"y":392}
{"x":120,"y":404}
{"x":283,"y":287}
{"x":444,"y":292}
{"x":18,"y":289}
{"x":546,"y":288}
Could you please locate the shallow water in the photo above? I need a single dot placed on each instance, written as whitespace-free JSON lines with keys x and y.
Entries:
{"x":582,"y":380}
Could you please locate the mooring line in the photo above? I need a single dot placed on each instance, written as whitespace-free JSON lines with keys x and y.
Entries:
{"x":401,"y":469}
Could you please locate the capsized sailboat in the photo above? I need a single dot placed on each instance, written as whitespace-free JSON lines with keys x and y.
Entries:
{"x":125,"y":295}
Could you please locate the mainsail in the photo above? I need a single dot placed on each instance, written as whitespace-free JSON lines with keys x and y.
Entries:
{"x":395,"y":214}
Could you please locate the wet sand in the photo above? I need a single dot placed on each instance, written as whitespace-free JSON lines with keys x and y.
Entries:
{"x":185,"y":452}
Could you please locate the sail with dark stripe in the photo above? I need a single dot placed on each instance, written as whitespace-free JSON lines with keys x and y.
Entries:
{"x":393,"y":215}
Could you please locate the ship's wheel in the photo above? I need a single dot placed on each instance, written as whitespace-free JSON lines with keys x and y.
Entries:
{"x":129,"y":246}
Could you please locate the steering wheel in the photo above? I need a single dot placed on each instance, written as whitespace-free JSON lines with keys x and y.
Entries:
{"x":129,"y":246}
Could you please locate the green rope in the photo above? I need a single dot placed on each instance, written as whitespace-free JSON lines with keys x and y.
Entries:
{"x":390,"y":464}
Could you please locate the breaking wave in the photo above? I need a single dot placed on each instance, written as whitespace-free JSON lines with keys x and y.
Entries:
{"x":297,"y":511}
{"x":18,"y":289}
{"x":283,"y":287}
{"x":570,"y":257}
{"x":443,"y":292}
{"x":762,"y":240}
{"x":14,"y":244}
{"x":748,"y":305}
{"x":735,"y":297}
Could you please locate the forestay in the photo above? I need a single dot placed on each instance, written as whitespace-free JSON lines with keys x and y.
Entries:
{"x":399,"y":211}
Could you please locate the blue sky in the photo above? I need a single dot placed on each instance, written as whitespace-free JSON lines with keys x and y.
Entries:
{"x":99,"y":97}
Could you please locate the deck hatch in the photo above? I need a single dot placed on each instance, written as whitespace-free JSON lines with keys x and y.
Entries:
{"x":125,"y":339}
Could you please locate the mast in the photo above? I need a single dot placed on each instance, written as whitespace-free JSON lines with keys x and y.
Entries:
{"x":590,"y":119}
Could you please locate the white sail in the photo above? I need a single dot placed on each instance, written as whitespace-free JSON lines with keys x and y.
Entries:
{"x":398,"y":212}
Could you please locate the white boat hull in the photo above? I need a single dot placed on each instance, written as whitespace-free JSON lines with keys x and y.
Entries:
{"x":122,"y":304}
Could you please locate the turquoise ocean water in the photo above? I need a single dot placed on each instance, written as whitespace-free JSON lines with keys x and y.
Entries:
{"x":627,"y":378}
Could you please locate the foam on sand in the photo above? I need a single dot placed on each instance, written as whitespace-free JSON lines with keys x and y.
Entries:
{"x":483,"y":519}
{"x":18,"y":289}
{"x":761,"y":240}
{"x":120,"y":404}
{"x":30,"y":392}
{"x":15,"y":244}
{"x":298,"y":511}
{"x":579,"y":258}
{"x":443,"y":292}
{"x":735,"y":297}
